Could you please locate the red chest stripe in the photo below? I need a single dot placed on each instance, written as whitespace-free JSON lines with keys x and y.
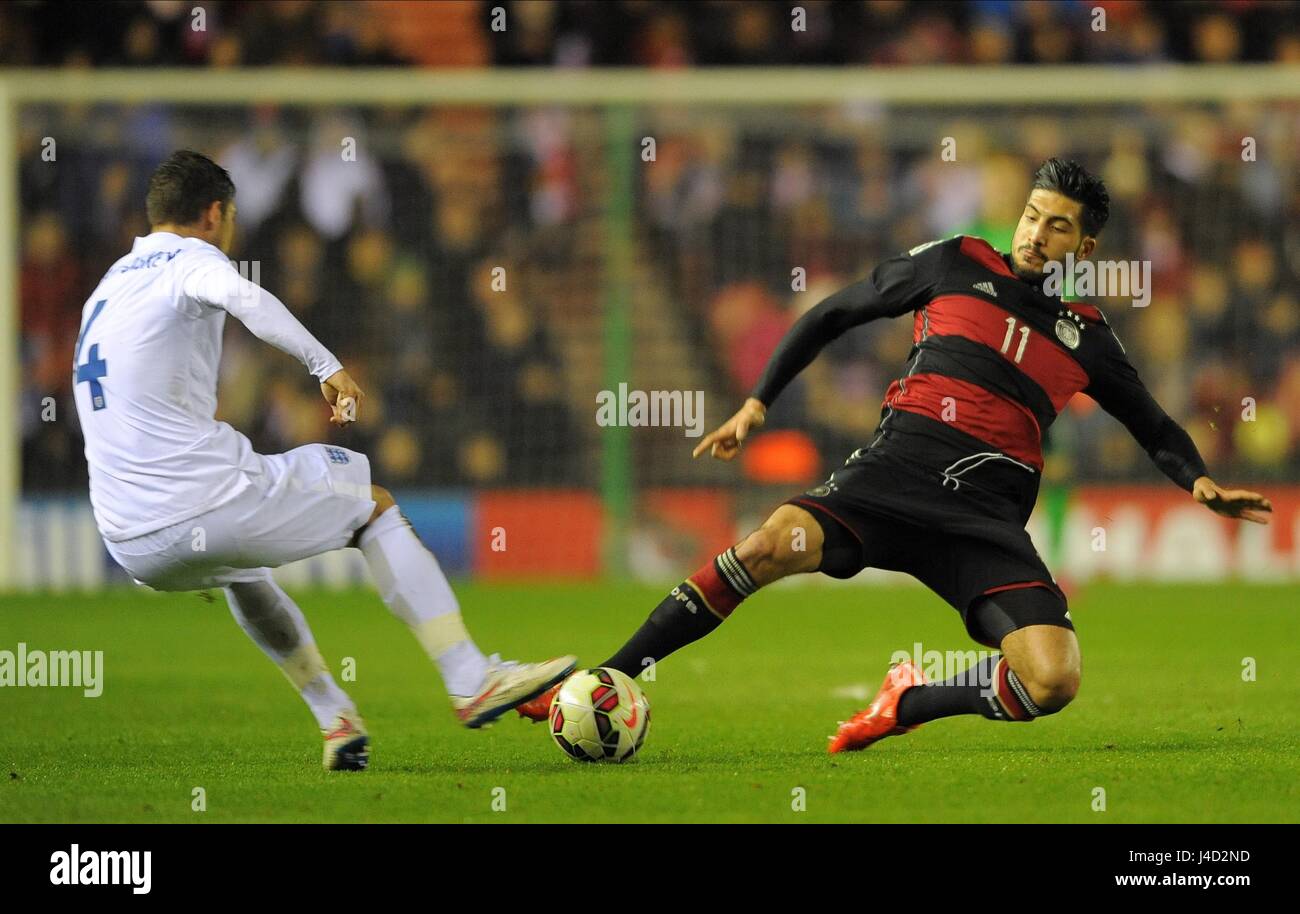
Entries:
{"x":1060,"y":376}
{"x":1006,"y":425}
{"x":980,"y":251}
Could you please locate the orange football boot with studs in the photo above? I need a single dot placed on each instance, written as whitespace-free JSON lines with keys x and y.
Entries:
{"x":880,"y":719}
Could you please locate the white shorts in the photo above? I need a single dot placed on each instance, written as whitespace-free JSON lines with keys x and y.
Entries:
{"x":310,"y":500}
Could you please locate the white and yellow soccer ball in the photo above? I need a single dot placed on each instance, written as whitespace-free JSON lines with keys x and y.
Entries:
{"x":600,"y":715}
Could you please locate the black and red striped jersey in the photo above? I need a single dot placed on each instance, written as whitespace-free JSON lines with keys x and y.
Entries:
{"x":994,"y":360}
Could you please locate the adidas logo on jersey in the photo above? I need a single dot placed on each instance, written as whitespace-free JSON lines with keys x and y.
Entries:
{"x":987,"y":288}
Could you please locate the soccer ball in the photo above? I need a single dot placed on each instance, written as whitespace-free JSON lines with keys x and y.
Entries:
{"x":600,"y":715}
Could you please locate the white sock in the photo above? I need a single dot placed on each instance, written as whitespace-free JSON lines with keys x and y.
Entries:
{"x":276,"y":624}
{"x":415,"y":589}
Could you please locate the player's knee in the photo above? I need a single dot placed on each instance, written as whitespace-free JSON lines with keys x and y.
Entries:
{"x":1052,"y":687}
{"x":383,"y":500}
{"x":1045,"y":659}
{"x":759,"y":550}
{"x":780,"y":547}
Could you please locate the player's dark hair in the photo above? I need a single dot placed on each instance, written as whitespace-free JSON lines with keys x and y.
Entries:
{"x":1070,"y":179}
{"x":185,"y":185}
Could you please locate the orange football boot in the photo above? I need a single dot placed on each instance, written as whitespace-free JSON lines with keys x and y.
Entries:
{"x":539,"y":708}
{"x":880,"y":719}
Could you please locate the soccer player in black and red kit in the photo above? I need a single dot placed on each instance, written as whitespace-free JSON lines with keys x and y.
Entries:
{"x":948,"y":481}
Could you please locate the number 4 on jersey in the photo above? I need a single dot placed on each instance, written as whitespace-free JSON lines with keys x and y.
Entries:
{"x":94,"y":367}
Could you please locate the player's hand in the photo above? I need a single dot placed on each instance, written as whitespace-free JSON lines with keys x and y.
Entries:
{"x":724,"y":442}
{"x":1240,"y":503}
{"x":344,"y":397}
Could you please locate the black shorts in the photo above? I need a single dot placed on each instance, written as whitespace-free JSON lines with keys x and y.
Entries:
{"x":856,"y":510}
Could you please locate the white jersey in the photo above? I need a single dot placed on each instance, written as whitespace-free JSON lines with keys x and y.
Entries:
{"x":146,"y":382}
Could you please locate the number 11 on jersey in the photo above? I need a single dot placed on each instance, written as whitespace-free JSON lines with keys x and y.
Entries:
{"x":1011,"y":331}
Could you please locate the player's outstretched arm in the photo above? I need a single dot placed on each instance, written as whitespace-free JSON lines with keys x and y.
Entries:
{"x":1120,"y":392}
{"x":1239,"y":503}
{"x":218,"y":284}
{"x":895,"y":287}
{"x":724,"y":441}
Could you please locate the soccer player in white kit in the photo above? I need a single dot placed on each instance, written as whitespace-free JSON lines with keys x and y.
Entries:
{"x":184,"y":503}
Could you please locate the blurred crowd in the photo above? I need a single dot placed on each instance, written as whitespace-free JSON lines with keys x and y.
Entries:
{"x":1218,"y":343}
{"x":647,"y":33}
{"x":458,"y":261}
{"x":385,"y":259}
{"x":457,"y":266}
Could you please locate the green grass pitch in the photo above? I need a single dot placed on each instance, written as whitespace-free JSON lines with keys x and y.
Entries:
{"x":1164,"y":722}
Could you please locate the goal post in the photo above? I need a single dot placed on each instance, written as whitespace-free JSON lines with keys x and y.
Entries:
{"x":943,"y":85}
{"x":10,"y":370}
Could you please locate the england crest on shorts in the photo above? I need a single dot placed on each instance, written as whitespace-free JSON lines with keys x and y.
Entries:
{"x":337,"y":455}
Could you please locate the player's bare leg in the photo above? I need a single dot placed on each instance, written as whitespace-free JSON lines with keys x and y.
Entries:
{"x":1045,"y":659}
{"x":413,"y":586}
{"x":276,"y":624}
{"x":789,"y":542}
